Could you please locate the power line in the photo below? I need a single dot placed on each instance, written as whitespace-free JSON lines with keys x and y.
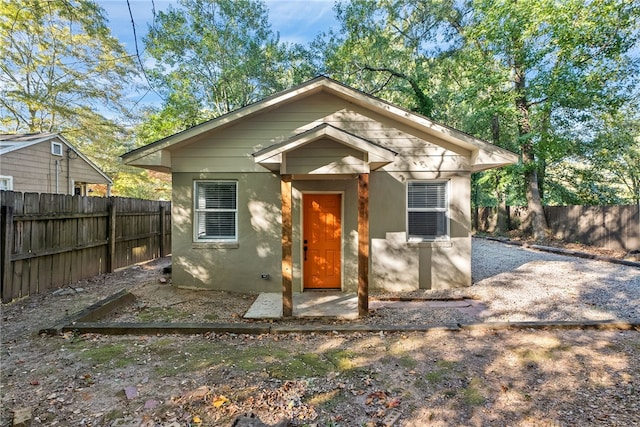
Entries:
{"x":135,"y":39}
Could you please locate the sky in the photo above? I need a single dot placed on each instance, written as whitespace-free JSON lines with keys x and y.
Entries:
{"x":297,"y":21}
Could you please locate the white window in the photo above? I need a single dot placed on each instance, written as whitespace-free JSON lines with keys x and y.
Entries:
{"x":216,"y":211}
{"x":428,"y":210}
{"x":56,"y":148}
{"x":6,"y":183}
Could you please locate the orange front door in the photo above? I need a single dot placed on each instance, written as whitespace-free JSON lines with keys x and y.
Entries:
{"x":322,"y":234}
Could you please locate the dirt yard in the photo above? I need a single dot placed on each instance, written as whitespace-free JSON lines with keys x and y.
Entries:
{"x":469,"y":378}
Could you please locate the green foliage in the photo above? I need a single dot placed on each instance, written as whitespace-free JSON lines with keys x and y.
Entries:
{"x":213,"y":57}
{"x":525,"y":76}
{"x":59,"y":66}
{"x":556,"y":82}
{"x":61,"y":70}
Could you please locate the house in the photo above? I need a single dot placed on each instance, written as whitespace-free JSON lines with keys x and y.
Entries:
{"x":321,"y":187}
{"x":46,"y":163}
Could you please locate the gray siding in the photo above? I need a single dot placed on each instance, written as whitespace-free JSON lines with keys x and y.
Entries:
{"x":35,"y":170}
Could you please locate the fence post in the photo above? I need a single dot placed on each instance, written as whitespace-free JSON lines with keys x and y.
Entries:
{"x":111,"y":230}
{"x":7,"y":243}
{"x":476,"y":221}
{"x":163,"y":229}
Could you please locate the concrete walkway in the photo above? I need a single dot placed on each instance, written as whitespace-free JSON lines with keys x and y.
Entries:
{"x":336,"y":305}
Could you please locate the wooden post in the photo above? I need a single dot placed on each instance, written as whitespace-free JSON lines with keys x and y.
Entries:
{"x":287,"y":246}
{"x":363,"y":244}
{"x":7,"y":244}
{"x":111,"y":237}
{"x":163,"y":229}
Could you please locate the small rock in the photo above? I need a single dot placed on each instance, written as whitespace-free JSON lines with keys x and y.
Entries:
{"x":131,"y":392}
{"x":150,"y":404}
{"x":21,"y":417}
{"x":63,"y":291}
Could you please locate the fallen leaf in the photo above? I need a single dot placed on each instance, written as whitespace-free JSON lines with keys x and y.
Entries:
{"x":197,"y":419}
{"x":393,"y":403}
{"x":219,"y":401}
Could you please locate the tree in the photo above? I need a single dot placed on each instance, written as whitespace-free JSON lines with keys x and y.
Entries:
{"x":526,"y":65}
{"x":613,"y":155}
{"x":61,"y":70}
{"x":216,"y":56}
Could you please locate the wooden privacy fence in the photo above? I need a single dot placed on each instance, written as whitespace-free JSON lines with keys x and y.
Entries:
{"x":52,"y":240}
{"x":613,"y":227}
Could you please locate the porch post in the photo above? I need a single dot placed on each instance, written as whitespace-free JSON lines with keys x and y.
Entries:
{"x":363,"y":244}
{"x":287,"y":242}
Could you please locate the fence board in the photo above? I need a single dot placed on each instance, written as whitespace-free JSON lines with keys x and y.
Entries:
{"x":52,"y":240}
{"x":612,"y":227}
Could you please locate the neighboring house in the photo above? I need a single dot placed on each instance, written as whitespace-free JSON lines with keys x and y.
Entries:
{"x":46,"y":163}
{"x":321,"y":187}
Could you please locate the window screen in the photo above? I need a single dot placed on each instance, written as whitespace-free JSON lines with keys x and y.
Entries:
{"x":216,"y":212}
{"x":56,"y":148}
{"x":6,"y":183}
{"x":427,"y":210}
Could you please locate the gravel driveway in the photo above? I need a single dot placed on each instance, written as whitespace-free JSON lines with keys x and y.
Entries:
{"x":520,"y":284}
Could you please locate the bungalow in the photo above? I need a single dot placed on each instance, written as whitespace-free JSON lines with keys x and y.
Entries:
{"x":321,"y":187}
{"x":46,"y":163}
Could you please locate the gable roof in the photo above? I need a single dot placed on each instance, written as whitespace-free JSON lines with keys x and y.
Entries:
{"x":14,"y":142}
{"x":377,"y":155}
{"x":484,"y":155}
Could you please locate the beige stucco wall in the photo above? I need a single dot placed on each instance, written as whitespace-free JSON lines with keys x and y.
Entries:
{"x":230,"y":266}
{"x":395,"y":263}
{"x":400,"y":265}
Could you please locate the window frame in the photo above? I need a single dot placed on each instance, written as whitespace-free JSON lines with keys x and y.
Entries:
{"x":197,"y":210}
{"x":53,"y":148}
{"x":446,"y":209}
{"x":9,"y":180}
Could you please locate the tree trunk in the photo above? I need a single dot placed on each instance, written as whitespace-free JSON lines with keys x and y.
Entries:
{"x":499,"y":188}
{"x":534,"y":201}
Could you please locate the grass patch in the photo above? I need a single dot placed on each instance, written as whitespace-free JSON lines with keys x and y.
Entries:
{"x":535,"y":355}
{"x":327,"y":400}
{"x":303,"y":365}
{"x":257,"y":358}
{"x":341,"y":359}
{"x":444,"y":369}
{"x":113,"y":354}
{"x":113,"y":415}
{"x":472,"y":395}
{"x":538,"y":355}
{"x":162,"y":347}
{"x":407,"y":362}
{"x":190,"y":359}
